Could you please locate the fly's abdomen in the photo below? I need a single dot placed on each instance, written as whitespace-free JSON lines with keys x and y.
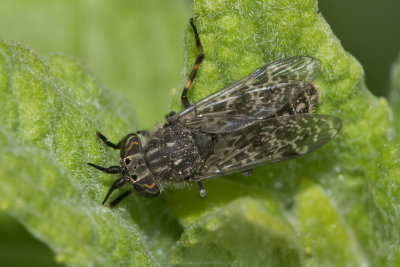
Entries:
{"x":175,"y":153}
{"x":304,"y":102}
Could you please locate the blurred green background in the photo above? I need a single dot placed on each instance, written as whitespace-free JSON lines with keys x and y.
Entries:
{"x":136,"y":47}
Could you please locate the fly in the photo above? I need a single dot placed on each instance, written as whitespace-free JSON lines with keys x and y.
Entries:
{"x":262,"y":118}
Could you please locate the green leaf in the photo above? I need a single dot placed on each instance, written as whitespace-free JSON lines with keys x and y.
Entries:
{"x":338,"y":206}
{"x":134,"y":46}
{"x":248,"y":231}
{"x":394,"y":97}
{"x":17,"y":243}
{"x":53,"y":110}
{"x":353,"y":178}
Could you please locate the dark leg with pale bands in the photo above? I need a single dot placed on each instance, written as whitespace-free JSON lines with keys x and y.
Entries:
{"x":195,"y":68}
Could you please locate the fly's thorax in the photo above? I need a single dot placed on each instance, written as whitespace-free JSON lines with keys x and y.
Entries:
{"x":134,"y":167}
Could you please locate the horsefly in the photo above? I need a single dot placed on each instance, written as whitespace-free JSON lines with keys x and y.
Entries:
{"x":262,"y":118}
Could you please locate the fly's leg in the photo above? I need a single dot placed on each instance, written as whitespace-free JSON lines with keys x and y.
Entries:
{"x":195,"y":68}
{"x":117,"y":184}
{"x":119,"y":198}
{"x":202,"y":191}
{"x":112,"y":169}
{"x":248,"y":172}
{"x":108,"y":142}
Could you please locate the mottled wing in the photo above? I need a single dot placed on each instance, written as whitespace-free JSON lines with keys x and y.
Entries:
{"x":269,"y":140}
{"x":292,"y":98}
{"x":270,"y":90}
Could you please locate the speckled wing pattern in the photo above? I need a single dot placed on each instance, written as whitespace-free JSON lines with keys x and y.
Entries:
{"x":283,"y":87}
{"x":269,"y":140}
{"x":263,"y":118}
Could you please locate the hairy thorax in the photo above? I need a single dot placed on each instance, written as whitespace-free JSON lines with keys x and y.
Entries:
{"x":174,"y":153}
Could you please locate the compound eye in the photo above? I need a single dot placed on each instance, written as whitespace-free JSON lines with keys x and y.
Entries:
{"x":127,"y":161}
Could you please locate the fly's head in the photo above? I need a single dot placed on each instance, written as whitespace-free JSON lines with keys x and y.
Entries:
{"x":134,"y":167}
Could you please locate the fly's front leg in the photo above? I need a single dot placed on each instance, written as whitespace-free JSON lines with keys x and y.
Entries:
{"x":112,"y":169}
{"x":117,"y":184}
{"x":195,"y":68}
{"x":119,"y":198}
{"x":108,"y":142}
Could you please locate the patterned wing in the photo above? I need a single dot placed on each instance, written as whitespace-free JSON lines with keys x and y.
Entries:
{"x":269,"y":140}
{"x":281,"y":88}
{"x":283,"y":99}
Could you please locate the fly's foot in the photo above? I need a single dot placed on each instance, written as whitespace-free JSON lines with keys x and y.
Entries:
{"x":202,"y":191}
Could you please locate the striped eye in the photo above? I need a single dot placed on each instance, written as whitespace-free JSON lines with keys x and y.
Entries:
{"x":127,"y":161}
